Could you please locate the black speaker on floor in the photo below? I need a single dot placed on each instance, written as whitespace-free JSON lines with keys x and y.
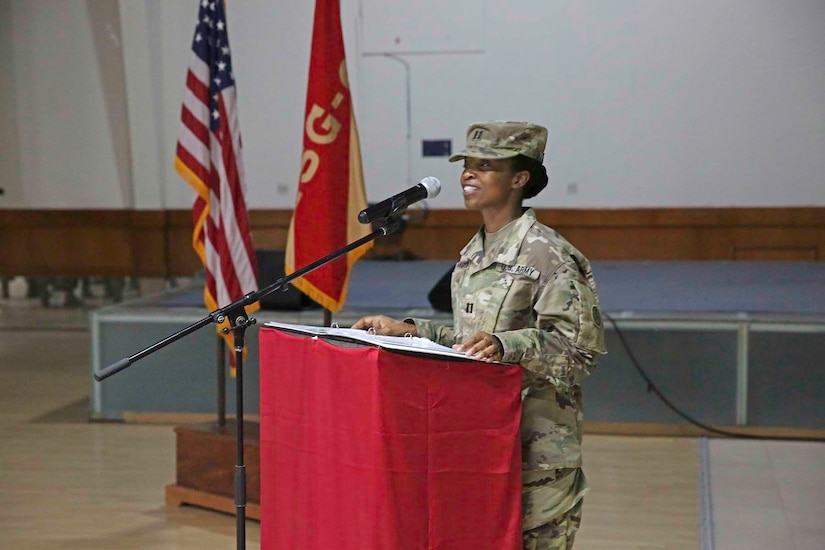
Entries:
{"x":439,"y":295}
{"x":270,"y":269}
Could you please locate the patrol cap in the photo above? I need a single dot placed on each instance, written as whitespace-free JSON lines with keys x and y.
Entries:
{"x":504,"y":139}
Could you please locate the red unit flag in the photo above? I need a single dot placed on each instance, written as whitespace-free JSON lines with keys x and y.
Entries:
{"x":331,"y":188}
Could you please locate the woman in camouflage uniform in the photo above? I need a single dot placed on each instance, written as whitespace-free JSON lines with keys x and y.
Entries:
{"x":522,"y":294}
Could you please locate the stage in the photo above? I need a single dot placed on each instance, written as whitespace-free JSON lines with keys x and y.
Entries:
{"x":730,"y":343}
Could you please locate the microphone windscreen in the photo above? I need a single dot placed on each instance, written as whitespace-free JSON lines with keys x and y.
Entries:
{"x":432,"y":185}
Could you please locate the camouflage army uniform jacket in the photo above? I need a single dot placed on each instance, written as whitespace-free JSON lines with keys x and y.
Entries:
{"x":535,"y":292}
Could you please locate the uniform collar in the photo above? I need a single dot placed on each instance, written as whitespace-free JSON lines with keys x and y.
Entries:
{"x":512,"y":244}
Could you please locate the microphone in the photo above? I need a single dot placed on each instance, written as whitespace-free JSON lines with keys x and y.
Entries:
{"x":427,"y":188}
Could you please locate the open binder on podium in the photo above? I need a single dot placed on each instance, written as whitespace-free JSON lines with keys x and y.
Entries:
{"x":410,"y":344}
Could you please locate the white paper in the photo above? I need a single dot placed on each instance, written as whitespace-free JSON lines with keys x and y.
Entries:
{"x":399,"y":343}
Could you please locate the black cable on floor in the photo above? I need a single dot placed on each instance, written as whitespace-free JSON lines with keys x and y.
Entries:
{"x":653,"y":388}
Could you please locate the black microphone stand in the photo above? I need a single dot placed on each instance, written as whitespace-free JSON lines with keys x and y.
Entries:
{"x":239,"y":320}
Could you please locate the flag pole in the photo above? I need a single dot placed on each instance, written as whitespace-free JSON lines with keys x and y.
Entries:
{"x":221,"y":381}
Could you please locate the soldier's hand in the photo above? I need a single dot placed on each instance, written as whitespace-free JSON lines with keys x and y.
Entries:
{"x":482,"y":346}
{"x":385,"y":326}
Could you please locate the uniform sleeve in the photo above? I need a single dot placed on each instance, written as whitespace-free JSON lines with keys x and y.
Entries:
{"x":568,"y":335}
{"x":438,"y":333}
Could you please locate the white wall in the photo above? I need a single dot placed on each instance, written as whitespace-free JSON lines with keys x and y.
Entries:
{"x":12,"y":188}
{"x":68,"y":104}
{"x":653,"y":103}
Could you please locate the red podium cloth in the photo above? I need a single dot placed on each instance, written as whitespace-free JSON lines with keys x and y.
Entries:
{"x":366,"y":449}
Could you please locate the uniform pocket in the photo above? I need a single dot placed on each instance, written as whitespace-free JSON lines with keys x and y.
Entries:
{"x":491,"y":301}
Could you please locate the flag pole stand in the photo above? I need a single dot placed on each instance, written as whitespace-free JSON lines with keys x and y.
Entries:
{"x":239,"y":321}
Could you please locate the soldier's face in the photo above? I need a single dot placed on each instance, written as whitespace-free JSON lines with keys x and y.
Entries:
{"x":488,"y":183}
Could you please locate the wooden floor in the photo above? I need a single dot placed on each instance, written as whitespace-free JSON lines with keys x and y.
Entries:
{"x":69,"y":483}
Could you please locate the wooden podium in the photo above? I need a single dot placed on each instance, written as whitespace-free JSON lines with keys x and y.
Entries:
{"x":365,"y":448}
{"x":206,"y":466}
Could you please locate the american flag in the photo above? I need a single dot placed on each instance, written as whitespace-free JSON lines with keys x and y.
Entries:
{"x":209,"y":158}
